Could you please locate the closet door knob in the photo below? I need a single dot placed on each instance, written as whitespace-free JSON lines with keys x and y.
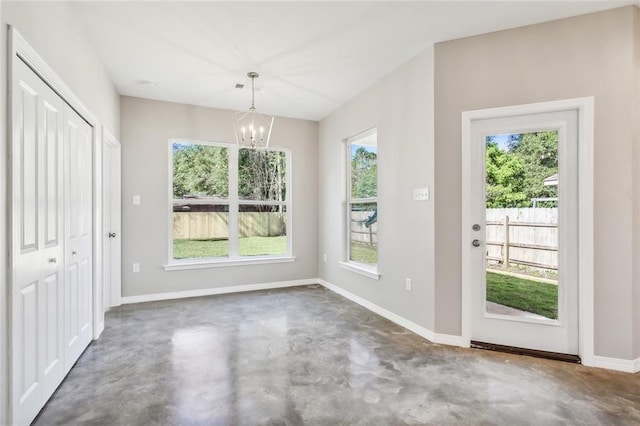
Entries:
{"x":112,"y":234}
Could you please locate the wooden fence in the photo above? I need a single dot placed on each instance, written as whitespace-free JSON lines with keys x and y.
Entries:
{"x":215,"y":225}
{"x":359,"y":232}
{"x":523,"y":236}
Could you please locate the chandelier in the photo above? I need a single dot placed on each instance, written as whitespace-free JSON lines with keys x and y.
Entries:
{"x":252,"y":129}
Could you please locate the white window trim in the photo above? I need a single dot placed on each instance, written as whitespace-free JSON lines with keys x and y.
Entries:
{"x":369,"y":271}
{"x":214,"y":262}
{"x":363,"y":269}
{"x":233,"y":202}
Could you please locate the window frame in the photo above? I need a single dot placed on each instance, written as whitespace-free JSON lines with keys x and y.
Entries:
{"x":367,"y":270}
{"x":233,"y":202}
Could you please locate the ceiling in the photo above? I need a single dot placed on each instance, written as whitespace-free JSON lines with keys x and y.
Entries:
{"x":312,"y":56}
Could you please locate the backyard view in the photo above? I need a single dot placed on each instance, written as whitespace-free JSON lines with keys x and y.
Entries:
{"x":522,"y":222}
{"x":363,"y":211}
{"x":204,"y":205}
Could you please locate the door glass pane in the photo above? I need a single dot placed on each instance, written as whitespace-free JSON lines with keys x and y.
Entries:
{"x":522,"y":202}
{"x":262,"y":230}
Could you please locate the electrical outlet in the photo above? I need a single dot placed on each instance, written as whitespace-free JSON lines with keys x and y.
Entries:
{"x":136,"y":200}
{"x":407,"y":284}
{"x":324,"y":257}
{"x":136,"y":268}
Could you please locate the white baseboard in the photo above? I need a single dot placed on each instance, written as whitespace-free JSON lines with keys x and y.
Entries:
{"x":444,"y":339}
{"x":624,"y":365}
{"x":213,"y":291}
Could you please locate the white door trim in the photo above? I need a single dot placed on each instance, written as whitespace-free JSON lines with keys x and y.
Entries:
{"x":585,"y":108}
{"x":114,"y":291}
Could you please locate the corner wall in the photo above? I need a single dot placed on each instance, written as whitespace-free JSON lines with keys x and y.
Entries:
{"x":588,"y":55}
{"x":54,"y":31}
{"x":635,"y":118}
{"x":401,"y":107}
{"x":146,"y":127}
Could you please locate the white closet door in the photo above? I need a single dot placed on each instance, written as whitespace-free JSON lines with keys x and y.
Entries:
{"x":78,"y":237}
{"x":37,"y":311}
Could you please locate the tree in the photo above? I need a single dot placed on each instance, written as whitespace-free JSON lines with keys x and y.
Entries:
{"x":505,"y":178}
{"x":516,"y":174}
{"x":539,"y":152}
{"x":364,"y":174}
{"x":200,"y":170}
{"x":261,"y":175}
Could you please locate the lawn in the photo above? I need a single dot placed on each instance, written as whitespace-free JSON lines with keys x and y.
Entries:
{"x":364,"y":253}
{"x":526,"y":295}
{"x":249,"y":246}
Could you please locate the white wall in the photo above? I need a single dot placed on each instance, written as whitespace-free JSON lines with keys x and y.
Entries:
{"x":53,"y":30}
{"x":147,"y":126}
{"x":401,"y":106}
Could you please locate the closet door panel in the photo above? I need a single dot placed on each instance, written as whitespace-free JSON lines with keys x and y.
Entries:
{"x":27,"y":254}
{"x":52,"y":291}
{"x":78,"y":234}
{"x":37,"y":356}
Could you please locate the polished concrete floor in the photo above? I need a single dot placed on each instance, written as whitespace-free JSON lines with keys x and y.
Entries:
{"x":307,"y":356}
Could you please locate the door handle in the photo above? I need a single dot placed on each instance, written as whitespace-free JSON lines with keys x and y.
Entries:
{"x":52,"y":260}
{"x":476,"y":243}
{"x":112,"y":234}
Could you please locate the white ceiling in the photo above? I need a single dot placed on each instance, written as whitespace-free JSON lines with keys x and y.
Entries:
{"x":312,"y":56}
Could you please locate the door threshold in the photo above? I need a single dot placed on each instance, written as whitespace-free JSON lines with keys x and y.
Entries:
{"x":556,"y":356}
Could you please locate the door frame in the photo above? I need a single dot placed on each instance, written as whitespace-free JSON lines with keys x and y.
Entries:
{"x":20,"y":50}
{"x":585,"y":108}
{"x":114,"y":292}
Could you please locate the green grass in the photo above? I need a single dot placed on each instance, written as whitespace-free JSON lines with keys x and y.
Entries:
{"x":364,"y":253}
{"x":249,"y":246}
{"x":262,"y":246}
{"x":526,"y":295}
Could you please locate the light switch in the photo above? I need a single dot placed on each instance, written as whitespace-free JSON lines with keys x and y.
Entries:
{"x":136,"y":200}
{"x":421,"y":194}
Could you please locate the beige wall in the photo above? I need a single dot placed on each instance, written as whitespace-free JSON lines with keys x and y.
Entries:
{"x":146,"y":127}
{"x":584,"y":56}
{"x":634,"y":117}
{"x":53,"y":30}
{"x":401,"y":106}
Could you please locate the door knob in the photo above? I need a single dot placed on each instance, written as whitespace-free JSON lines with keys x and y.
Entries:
{"x":475,"y":227}
{"x":52,"y":260}
{"x":475,"y":243}
{"x":112,"y":234}
{"x":74,"y":252}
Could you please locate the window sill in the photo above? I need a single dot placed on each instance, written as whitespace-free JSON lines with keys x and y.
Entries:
{"x":359,"y":268}
{"x":210,"y":263}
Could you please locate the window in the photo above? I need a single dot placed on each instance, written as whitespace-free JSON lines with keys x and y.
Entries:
{"x":362,"y":199}
{"x":228,"y":203}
